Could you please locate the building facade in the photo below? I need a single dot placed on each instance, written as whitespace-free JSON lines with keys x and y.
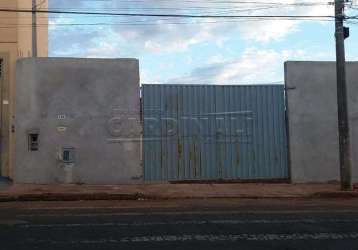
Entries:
{"x":313,"y":120}
{"x":16,"y":42}
{"x":77,"y":121}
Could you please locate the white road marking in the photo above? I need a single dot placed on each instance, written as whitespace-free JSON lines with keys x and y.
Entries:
{"x":190,"y":222}
{"x":234,"y":212}
{"x":210,"y":238}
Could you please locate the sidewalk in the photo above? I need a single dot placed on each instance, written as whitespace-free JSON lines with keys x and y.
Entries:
{"x":27,"y":192}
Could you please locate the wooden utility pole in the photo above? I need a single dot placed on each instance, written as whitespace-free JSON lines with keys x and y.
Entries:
{"x":343,"y":123}
{"x":34,"y":29}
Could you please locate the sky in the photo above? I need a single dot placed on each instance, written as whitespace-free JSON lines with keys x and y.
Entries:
{"x":199,"y":51}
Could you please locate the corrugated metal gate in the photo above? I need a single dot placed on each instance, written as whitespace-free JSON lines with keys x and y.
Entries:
{"x":210,"y":132}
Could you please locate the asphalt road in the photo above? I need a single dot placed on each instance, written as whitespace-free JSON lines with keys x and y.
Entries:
{"x":189,"y":224}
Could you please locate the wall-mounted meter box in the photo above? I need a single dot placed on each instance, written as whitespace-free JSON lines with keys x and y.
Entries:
{"x":33,"y":139}
{"x":68,"y":155}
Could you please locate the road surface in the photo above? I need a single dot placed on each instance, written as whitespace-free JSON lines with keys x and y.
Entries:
{"x":188,"y":224}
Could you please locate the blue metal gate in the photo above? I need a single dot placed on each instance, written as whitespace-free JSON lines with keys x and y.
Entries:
{"x":213,"y":132}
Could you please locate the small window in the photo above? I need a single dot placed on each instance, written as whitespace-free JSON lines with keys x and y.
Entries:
{"x":33,"y":142}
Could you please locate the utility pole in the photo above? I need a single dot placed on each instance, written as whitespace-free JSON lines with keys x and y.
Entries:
{"x":34,"y":29}
{"x":343,"y":123}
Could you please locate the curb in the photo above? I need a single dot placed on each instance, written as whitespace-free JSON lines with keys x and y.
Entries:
{"x":336,"y":195}
{"x":69,"y":197}
{"x":141,"y":196}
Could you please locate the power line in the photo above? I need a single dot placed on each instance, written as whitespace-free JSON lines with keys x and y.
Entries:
{"x":195,"y":7}
{"x":210,"y":11}
{"x":219,"y":2}
{"x":253,"y":6}
{"x":145,"y":23}
{"x":227,"y":10}
{"x":222,"y":2}
{"x":160,"y":15}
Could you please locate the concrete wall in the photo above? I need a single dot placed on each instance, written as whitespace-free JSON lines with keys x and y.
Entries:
{"x":89,"y":104}
{"x":313,"y":122}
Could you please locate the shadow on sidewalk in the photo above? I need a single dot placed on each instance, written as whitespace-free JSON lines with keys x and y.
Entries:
{"x":5,"y":183}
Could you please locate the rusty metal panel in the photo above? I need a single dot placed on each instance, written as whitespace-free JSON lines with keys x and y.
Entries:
{"x":214,"y":132}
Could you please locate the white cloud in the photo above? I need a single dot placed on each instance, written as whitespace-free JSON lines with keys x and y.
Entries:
{"x":55,"y":23}
{"x":162,"y":37}
{"x":268,"y":30}
{"x":254,"y":66}
{"x":103,"y":49}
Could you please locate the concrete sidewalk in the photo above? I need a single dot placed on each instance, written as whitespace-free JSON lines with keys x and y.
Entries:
{"x":26,"y":192}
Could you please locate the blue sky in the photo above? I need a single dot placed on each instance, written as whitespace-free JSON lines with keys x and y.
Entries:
{"x":205,"y":51}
